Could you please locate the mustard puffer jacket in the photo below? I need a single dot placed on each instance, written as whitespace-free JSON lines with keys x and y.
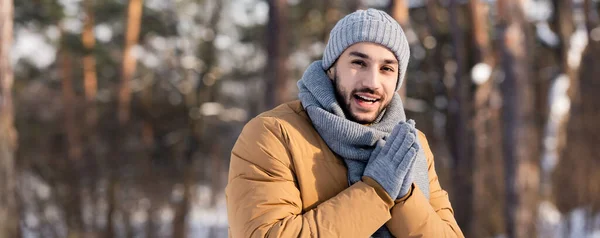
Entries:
{"x":285,"y":182}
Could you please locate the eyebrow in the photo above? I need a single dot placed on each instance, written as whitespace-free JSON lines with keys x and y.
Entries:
{"x":365,"y":56}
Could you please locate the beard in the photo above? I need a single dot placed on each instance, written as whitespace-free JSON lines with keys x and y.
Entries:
{"x":344,"y":100}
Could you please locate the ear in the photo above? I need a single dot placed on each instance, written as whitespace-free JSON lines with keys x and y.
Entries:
{"x":331,"y":72}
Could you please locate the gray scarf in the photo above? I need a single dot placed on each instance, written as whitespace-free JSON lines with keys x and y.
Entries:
{"x":350,"y":140}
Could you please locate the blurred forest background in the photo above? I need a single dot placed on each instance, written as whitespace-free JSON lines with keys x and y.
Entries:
{"x":117,"y":117}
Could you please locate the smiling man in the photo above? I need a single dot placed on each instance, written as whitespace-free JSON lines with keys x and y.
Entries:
{"x":342,"y":161}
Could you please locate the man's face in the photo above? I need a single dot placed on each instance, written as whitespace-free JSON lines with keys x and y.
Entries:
{"x":365,"y":77}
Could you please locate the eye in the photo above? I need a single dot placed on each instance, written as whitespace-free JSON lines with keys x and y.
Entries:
{"x":388,"y":68}
{"x":359,"y":63}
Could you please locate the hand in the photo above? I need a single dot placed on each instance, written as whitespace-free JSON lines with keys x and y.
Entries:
{"x":391,"y":161}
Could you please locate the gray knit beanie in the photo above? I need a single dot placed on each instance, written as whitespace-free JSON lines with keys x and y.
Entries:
{"x":369,"y":25}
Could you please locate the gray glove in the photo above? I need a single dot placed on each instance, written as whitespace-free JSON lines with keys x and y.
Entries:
{"x":408,"y":179}
{"x":391,"y":161}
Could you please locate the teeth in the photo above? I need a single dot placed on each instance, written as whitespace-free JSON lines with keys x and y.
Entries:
{"x":367,"y":98}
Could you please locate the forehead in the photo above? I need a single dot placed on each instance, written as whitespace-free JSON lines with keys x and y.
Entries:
{"x":373,"y":50}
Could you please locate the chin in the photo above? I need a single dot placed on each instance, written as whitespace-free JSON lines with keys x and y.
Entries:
{"x":363,"y":119}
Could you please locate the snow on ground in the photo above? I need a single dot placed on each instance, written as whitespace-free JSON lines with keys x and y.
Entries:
{"x":206,"y":221}
{"x":578,"y":223}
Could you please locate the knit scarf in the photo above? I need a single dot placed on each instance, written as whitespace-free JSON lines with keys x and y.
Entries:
{"x":350,"y":140}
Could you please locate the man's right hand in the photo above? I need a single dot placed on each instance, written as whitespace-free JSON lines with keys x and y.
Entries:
{"x":391,"y":161}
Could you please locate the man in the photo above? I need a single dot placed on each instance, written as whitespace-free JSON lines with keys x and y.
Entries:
{"x":342,"y":161}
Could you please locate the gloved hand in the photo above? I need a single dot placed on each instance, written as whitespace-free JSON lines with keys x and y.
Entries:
{"x":391,"y":161}
{"x":409,"y":178}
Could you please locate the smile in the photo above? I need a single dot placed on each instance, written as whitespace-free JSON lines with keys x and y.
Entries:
{"x":366,"y":99}
{"x":365,"y":102}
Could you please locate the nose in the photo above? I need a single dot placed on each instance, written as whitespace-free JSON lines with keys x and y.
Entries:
{"x":371,"y":79}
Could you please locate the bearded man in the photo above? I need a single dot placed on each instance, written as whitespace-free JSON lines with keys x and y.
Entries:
{"x":342,"y":161}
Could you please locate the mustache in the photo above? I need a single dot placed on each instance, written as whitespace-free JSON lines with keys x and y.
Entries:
{"x":367,"y":90}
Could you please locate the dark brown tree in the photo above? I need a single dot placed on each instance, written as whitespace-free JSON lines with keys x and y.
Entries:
{"x":72,"y":202}
{"x":331,"y":14}
{"x":487,"y":154}
{"x":73,"y":145}
{"x":520,"y":137}
{"x":354,"y":5}
{"x":580,"y":153}
{"x":459,"y":117}
{"x":576,"y":176}
{"x":399,"y":11}
{"x":276,"y":69}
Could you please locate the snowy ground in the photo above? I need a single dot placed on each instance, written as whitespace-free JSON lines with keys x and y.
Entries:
{"x":579,"y":223}
{"x":206,"y":221}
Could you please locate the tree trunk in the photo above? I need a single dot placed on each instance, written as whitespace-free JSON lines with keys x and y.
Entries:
{"x":459,"y":117}
{"x":150,"y":227}
{"x":556,"y":124}
{"x":399,"y":11}
{"x":182,"y":210}
{"x":68,"y":96}
{"x":479,"y":21}
{"x":520,"y":141}
{"x":331,"y":9}
{"x":9,"y":215}
{"x":198,"y":141}
{"x":134,"y":17}
{"x":356,"y":5}
{"x":591,"y":16}
{"x":216,"y":172}
{"x":581,"y":152}
{"x":72,"y":203}
{"x":90,"y":135}
{"x":111,"y":197}
{"x":575,"y":179}
{"x":89,"y":65}
{"x":487,"y":160}
{"x":277,"y":53}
